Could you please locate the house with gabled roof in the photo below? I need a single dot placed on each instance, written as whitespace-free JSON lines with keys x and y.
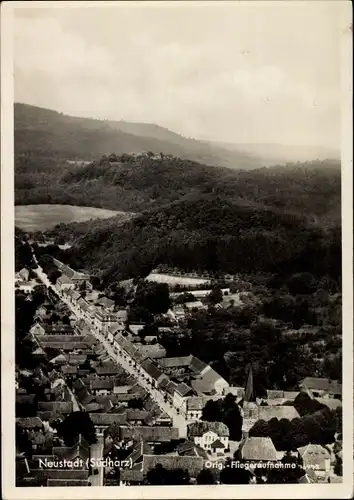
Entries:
{"x":268,"y":412}
{"x":58,"y":329}
{"x":209,"y":435}
{"x":69,"y":371}
{"x":321,"y":387}
{"x":193,"y":464}
{"x":46,"y":473}
{"x":112,"y":330}
{"x":153,"y":351}
{"x":76,"y":276}
{"x":122,"y":316}
{"x":135,"y":328}
{"x":149,"y":434}
{"x":317,"y":458}
{"x":124,"y":399}
{"x":206,"y":379}
{"x":107,"y":369}
{"x":137,"y":417}
{"x":64,"y":283}
{"x":331,"y":403}
{"x":62,"y":407}
{"x":282,"y":395}
{"x":309,"y":477}
{"x":257,"y":449}
{"x":59,"y":360}
{"x":77,"y":359}
{"x":105,"y":303}
{"x":209,"y":382}
{"x":37,"y":329}
{"x":189,"y":448}
{"x":194,"y":408}
{"x":79,"y":449}
{"x":29,"y":423}
{"x":25,"y":399}
{"x":73,"y":296}
{"x":152,"y":373}
{"x":121,"y":389}
{"x":102,"y":319}
{"x":102,"y":421}
{"x":102,"y":387}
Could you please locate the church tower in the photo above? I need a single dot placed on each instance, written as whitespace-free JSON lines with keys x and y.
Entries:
{"x":249,"y":400}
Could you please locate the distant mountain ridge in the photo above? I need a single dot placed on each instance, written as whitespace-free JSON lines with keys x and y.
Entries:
{"x":48,"y":132}
{"x":273,"y":153}
{"x":43,"y":130}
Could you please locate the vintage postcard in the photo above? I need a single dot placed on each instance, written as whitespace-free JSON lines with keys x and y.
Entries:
{"x":177,"y":302}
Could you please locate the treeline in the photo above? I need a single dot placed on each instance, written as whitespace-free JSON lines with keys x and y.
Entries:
{"x":68,"y":233}
{"x":23,"y":255}
{"x":211,"y":234}
{"x":317,"y":428}
{"x":137,"y":183}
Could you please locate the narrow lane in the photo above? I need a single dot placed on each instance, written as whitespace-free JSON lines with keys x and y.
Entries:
{"x":76,"y":406}
{"x":96,"y":454}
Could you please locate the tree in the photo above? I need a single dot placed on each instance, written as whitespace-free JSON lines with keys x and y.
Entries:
{"x":179,"y":477}
{"x":305,"y":405}
{"x":291,"y":471}
{"x":149,"y":330}
{"x":206,"y":476}
{"x":235,"y":475}
{"x":338,"y":466}
{"x":338,"y":420}
{"x":153,"y":296}
{"x":53,"y":275}
{"x":119,"y":296}
{"x":215,"y":296}
{"x":225,"y":410}
{"x":136,"y":403}
{"x":211,"y":411}
{"x":231,"y":416}
{"x":77,"y":423}
{"x":302,"y":283}
{"x":161,"y":476}
{"x":139,"y":313}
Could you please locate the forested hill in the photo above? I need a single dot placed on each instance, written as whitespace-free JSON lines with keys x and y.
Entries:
{"x":46,"y":133}
{"x":212,"y":234}
{"x":141,"y":182}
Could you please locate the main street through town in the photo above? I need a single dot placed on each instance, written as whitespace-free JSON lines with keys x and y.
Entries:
{"x":178,"y":420}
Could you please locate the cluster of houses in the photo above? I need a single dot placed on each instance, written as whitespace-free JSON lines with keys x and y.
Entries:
{"x":82,"y":377}
{"x":24,"y":281}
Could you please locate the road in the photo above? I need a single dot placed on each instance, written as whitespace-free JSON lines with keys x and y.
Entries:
{"x":178,"y":420}
{"x":76,"y":406}
{"x":96,"y":453}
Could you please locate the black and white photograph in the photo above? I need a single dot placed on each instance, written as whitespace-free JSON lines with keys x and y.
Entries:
{"x":175,"y":184}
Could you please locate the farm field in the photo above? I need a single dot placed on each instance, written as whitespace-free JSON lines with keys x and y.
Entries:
{"x":176,"y":280}
{"x":43,"y":217}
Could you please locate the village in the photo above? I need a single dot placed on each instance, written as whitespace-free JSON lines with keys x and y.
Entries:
{"x":142,"y":410}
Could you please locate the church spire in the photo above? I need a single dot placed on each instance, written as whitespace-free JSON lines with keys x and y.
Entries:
{"x":249,"y":392}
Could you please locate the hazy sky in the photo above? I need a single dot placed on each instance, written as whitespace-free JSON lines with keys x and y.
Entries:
{"x":241,"y":72}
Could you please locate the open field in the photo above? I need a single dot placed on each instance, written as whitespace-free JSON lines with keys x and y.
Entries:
{"x":43,"y":217}
{"x":176,"y":280}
